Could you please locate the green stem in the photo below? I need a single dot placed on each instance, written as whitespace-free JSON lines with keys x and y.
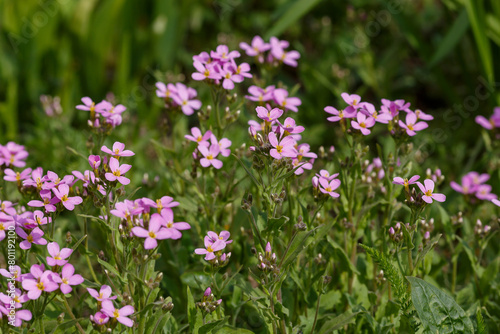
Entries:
{"x":316,"y":314}
{"x":254,"y":223}
{"x":80,"y":329}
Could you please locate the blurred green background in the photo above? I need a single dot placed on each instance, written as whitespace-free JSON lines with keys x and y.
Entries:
{"x":442,"y":56}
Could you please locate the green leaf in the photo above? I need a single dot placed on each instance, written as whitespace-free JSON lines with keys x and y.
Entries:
{"x":205,"y":329}
{"x":338,"y":322}
{"x":196,"y":279}
{"x":248,"y":171}
{"x":194,"y":314}
{"x":274,"y":224}
{"x":294,"y":12}
{"x":453,"y":36}
{"x":300,"y":241}
{"x":407,"y":235}
{"x":75,"y":246}
{"x":233,"y":330}
{"x":113,"y":270}
{"x":438,"y":311}
{"x":481,"y":326}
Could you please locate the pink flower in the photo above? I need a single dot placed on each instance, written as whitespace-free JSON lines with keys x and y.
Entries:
{"x":260,"y":94}
{"x":369,"y":110}
{"x":94,"y":161}
{"x":353,"y":100}
{"x":36,"y":179}
{"x":257,"y":48}
{"x":118,"y":314}
{"x":222,"y":53}
{"x":405,"y":182}
{"x":411,"y":125}
{"x":223,"y":144}
{"x":210,"y":248}
{"x":197,"y":137}
{"x":67,"y":278}
{"x":230,"y":77}
{"x":278,"y":52}
{"x":12,"y":176}
{"x":35,"y":237}
{"x":13,"y":154}
{"x":268,"y":115}
{"x":282,"y":99}
{"x":205,"y":71}
{"x":47,"y":201}
{"x":156,"y":232}
{"x":209,"y":156}
{"x":57,"y":256}
{"x":166,"y":202}
{"x":68,"y":202}
{"x":338,"y":115}
{"x":428,"y":192}
{"x":326,"y":175}
{"x":165,"y":91}
{"x":103,"y":294}
{"x":166,"y":218}
{"x":243,"y":69}
{"x":41,"y":281}
{"x":106,"y":109}
{"x":483,"y":192}
{"x":362,"y":123}
{"x":224,"y":236}
{"x":118,"y":150}
{"x":290,"y":127}
{"x":99,"y":318}
{"x":423,"y":116}
{"x":328,"y":187}
{"x":88,"y":104}
{"x":185,"y":99}
{"x":52,"y":180}
{"x":117,"y":172}
{"x":284,"y":148}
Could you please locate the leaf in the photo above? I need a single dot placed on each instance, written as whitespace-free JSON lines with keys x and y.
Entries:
{"x":438,"y":311}
{"x":338,"y":322}
{"x":248,"y":171}
{"x":299,"y":242}
{"x":194,"y":314}
{"x":421,"y":255}
{"x":274,"y":224}
{"x":294,"y":12}
{"x":453,"y":36}
{"x":113,"y":270}
{"x":233,"y":330}
{"x":75,"y":246}
{"x":197,"y":279}
{"x":481,"y":326}
{"x":205,"y":329}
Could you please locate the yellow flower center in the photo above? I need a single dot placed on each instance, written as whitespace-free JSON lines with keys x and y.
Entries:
{"x":210,"y":157}
{"x":279,"y":148}
{"x":170,"y":224}
{"x":40,"y":286}
{"x":152,"y":235}
{"x":410,"y":126}
{"x":209,"y":249}
{"x":117,"y":173}
{"x":116,"y":313}
{"x":18,"y":176}
{"x":64,"y":198}
{"x":65,"y":280}
{"x":30,"y":238}
{"x":2,"y":227}
{"x":428,"y":193}
{"x":362,"y":124}
{"x":328,"y":189}
{"x":206,"y":73}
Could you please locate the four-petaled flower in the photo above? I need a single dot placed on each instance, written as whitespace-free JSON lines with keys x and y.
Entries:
{"x":156,"y":232}
{"x":428,"y":188}
{"x":67,"y":278}
{"x":210,"y":248}
{"x":62,"y":194}
{"x":119,"y":314}
{"x":117,"y":172}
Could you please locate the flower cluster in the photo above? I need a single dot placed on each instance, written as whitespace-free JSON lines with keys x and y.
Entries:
{"x":219,"y":67}
{"x":13,"y":154}
{"x":208,"y":302}
{"x":268,"y":262}
{"x":104,"y":116}
{"x":364,"y":115}
{"x":276,"y":51}
{"x":281,"y":139}
{"x":101,"y":320}
{"x":275,"y":96}
{"x":178,"y":96}
{"x":492,"y":122}
{"x":139,"y":222}
{"x":214,"y":245}
{"x":209,"y":147}
{"x":481,"y":231}
{"x":473,"y":184}
{"x":325,"y":183}
{"x":427,"y":188}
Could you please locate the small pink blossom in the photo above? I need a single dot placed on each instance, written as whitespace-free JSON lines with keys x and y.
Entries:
{"x":209,"y":156}
{"x":67,"y":278}
{"x":118,"y":150}
{"x":156,"y":232}
{"x":119,"y":314}
{"x":328,"y":187}
{"x":283,"y":148}
{"x":412,"y":125}
{"x":427,"y":188}
{"x":34,"y":237}
{"x":62,"y":193}
{"x":103,"y":294}
{"x":210,"y":248}
{"x":117,"y":172}
{"x":288,"y":103}
{"x":58,"y":257}
{"x":363,"y":123}
{"x":197,"y":136}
